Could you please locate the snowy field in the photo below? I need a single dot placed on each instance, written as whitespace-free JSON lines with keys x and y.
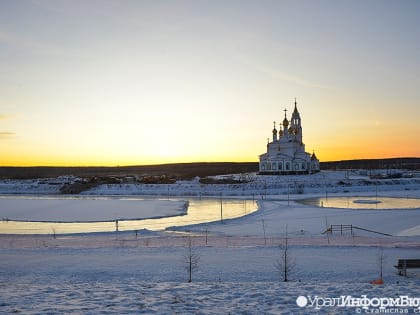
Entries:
{"x":132,"y":273}
{"x":231,"y":279}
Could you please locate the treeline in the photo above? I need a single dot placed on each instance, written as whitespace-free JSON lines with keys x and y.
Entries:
{"x":191,"y":170}
{"x":393,"y":163}
{"x":178,"y":170}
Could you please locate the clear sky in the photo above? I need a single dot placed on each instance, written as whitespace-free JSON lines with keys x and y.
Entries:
{"x":146,"y":82}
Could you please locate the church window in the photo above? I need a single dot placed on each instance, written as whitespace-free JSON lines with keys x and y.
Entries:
{"x":287,"y":166}
{"x":280,"y":166}
{"x":303,"y":166}
{"x":274,"y":166}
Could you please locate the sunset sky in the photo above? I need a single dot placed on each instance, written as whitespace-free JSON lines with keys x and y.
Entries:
{"x":148,"y":82}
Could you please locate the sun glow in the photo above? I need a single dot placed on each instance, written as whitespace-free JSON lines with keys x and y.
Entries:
{"x":142,"y":83}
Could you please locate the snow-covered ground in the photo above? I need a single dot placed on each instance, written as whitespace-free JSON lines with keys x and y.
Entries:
{"x":262,"y":186}
{"x":151,"y":279}
{"x":132,"y":273}
{"x":43,"y":186}
{"x":274,"y":216}
{"x":257,"y":186}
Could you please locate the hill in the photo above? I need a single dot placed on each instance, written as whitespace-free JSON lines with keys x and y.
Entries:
{"x":391,"y":163}
{"x":190,"y":170}
{"x":178,"y":170}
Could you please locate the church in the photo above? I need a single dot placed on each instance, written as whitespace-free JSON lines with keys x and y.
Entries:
{"x":286,"y":153}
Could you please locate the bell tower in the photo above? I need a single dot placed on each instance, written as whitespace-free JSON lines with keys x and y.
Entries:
{"x":296,"y":124}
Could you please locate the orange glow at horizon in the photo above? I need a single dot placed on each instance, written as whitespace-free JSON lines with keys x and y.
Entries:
{"x":324,"y":153}
{"x":188,"y":81}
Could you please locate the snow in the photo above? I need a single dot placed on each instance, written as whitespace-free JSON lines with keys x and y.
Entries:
{"x":322,"y":182}
{"x":132,"y":273}
{"x":260,"y":186}
{"x":274,"y":216}
{"x":46,"y":186}
{"x":152,"y":280}
{"x":413,"y":231}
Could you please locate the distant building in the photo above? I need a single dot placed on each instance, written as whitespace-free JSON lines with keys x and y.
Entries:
{"x":129,"y":179}
{"x":286,"y":153}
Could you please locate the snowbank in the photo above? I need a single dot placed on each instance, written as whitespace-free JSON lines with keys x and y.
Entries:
{"x":45,"y":186}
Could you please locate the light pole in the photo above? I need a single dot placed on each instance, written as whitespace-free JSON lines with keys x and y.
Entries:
{"x":221,"y":208}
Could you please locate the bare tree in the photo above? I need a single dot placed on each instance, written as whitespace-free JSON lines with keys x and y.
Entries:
{"x":263,"y":226}
{"x":285,"y":264}
{"x":191,"y":260}
{"x":207,"y":233}
{"x":380,"y":259}
{"x":326,"y":230}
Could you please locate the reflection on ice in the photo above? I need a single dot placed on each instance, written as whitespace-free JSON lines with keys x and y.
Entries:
{"x":380,"y":203}
{"x":199,"y":211}
{"x":367,"y":201}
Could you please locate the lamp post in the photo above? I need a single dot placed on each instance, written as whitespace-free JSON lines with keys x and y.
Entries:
{"x":221,"y":208}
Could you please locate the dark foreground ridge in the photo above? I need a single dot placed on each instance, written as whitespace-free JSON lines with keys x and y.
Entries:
{"x":408,"y":163}
{"x":191,"y":170}
{"x":178,"y":170}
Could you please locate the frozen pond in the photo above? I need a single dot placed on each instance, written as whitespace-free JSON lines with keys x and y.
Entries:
{"x":87,"y":209}
{"x":199,"y":211}
{"x":380,"y":203}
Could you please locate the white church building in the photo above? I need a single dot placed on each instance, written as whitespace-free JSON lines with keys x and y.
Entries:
{"x":286,"y":153}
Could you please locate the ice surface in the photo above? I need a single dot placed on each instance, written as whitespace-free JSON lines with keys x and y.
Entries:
{"x":86,"y":209}
{"x":367,"y":201}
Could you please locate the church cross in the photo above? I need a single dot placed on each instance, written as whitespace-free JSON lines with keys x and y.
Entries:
{"x":274,"y":122}
{"x":285,"y":110}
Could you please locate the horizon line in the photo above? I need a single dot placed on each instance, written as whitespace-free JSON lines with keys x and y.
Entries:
{"x":195,"y":162}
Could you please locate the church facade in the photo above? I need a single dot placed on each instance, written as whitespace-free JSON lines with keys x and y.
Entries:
{"x":286,"y":152}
